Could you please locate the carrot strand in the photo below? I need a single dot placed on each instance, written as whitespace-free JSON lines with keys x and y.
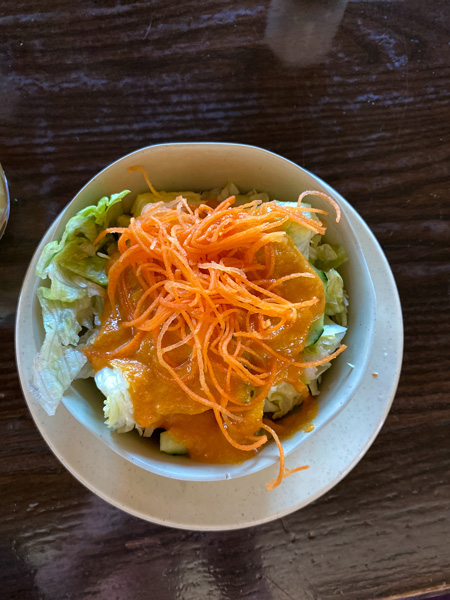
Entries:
{"x":205,"y":279}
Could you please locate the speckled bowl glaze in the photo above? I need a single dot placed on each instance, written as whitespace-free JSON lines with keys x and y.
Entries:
{"x":202,"y":166}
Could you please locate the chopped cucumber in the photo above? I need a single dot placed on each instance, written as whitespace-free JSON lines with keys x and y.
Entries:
{"x":170,"y":445}
{"x":123,"y":220}
{"x":322,"y":275}
{"x":315,"y":331}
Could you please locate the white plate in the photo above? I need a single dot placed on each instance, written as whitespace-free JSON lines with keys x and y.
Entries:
{"x":331,"y":453}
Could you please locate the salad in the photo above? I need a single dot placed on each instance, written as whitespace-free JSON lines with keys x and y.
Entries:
{"x":206,"y":319}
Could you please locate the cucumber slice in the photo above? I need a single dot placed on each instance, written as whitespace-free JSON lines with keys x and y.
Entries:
{"x":170,"y":445}
{"x":123,"y":220}
{"x":322,"y":275}
{"x":315,"y":331}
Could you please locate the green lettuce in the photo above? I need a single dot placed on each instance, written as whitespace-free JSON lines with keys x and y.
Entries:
{"x":54,"y":369}
{"x":335,"y":298}
{"x":328,"y":342}
{"x":327,"y":256}
{"x":232,"y":190}
{"x":74,"y":299}
{"x":75,"y":270}
{"x":150,"y":198}
{"x":118,"y":407}
{"x":300,"y":235}
{"x":281,"y":399}
{"x":196,"y":199}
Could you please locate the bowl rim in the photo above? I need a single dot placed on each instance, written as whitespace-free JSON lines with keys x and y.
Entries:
{"x":258,"y":462}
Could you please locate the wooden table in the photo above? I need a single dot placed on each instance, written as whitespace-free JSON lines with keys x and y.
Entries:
{"x":356,"y":92}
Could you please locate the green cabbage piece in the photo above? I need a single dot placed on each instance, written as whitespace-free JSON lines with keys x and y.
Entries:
{"x":73,"y":301}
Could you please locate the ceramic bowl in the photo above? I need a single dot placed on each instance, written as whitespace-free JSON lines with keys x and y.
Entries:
{"x":203,"y":166}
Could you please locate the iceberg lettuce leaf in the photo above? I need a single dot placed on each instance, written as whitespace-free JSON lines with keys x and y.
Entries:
{"x":118,"y":406}
{"x":54,"y":369}
{"x":85,"y":225}
{"x":149,"y":198}
{"x":74,"y":299}
{"x":195,"y":198}
{"x":335,"y":298}
{"x":328,"y":342}
{"x":300,"y":235}
{"x":327,"y":256}
{"x":281,"y":399}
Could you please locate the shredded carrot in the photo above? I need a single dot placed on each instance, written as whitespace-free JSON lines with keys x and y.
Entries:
{"x":283,"y":472}
{"x":205,"y":276}
{"x":335,"y":205}
{"x":147,"y":180}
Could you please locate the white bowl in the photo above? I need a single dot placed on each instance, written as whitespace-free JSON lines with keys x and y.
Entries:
{"x":198,"y":167}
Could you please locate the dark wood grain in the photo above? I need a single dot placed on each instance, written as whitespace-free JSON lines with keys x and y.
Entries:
{"x":82,"y":84}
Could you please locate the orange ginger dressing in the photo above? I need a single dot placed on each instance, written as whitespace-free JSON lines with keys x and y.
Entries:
{"x":158,"y":401}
